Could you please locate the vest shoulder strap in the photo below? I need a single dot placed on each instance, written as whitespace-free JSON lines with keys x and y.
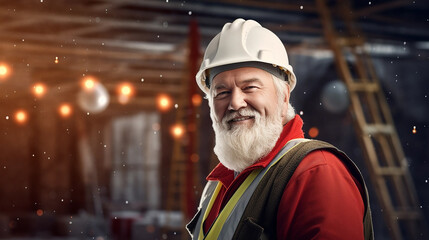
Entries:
{"x":257,"y":219}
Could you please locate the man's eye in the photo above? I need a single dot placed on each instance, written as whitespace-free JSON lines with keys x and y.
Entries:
{"x":221,"y":94}
{"x":250,"y":87}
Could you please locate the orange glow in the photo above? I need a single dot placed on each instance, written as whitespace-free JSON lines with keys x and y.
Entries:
{"x":164,"y":102}
{"x":65,"y":110}
{"x":39,"y":212}
{"x":196,"y":100}
{"x":177,"y":131}
{"x":195,"y":157}
{"x":39,"y":90}
{"x":125,"y":91}
{"x":414,"y":130}
{"x":313,"y":132}
{"x":4,"y":70}
{"x":88,"y":83}
{"x":56,"y":60}
{"x":21,"y":116}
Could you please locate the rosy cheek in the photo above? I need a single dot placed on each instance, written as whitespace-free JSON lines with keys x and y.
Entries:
{"x":220,"y":112}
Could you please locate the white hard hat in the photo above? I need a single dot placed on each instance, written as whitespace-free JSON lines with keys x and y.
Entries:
{"x":244,"y":41}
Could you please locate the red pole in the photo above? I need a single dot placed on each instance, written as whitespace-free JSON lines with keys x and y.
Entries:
{"x":193,"y":58}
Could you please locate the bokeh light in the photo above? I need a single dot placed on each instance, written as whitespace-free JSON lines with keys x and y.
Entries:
{"x":39,"y":89}
{"x":4,"y":70}
{"x":94,"y":97}
{"x":313,"y":132}
{"x":177,"y":131}
{"x":195,"y":157}
{"x":196,"y":100}
{"x":164,"y":102}
{"x":126,"y":89}
{"x":21,"y":116}
{"x":65,"y":110}
{"x":125,"y":92}
{"x":39,"y":212}
{"x":88,"y":83}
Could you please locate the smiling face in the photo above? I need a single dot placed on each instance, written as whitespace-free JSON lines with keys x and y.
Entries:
{"x":248,"y":113}
{"x":244,"y":88}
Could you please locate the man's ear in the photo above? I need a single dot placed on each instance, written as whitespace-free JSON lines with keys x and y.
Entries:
{"x":286,"y":101}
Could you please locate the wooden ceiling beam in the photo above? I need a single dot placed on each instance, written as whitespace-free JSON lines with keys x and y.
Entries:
{"x":378,"y":8}
{"x":27,"y":48}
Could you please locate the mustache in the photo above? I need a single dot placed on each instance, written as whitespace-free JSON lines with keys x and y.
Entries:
{"x":244,"y":112}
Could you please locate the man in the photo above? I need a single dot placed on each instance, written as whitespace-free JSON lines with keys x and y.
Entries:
{"x":271,"y":183}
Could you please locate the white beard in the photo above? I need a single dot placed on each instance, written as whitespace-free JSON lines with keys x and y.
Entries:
{"x":241,"y":146}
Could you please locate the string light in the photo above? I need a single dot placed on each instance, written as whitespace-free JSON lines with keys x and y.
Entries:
{"x":177,"y":131}
{"x":21,"y":116}
{"x":414,"y":130}
{"x":126,"y":89}
{"x":164,"y":102}
{"x":39,"y":212}
{"x":56,"y":60}
{"x":4,"y":70}
{"x":88,"y":83}
{"x":65,"y":110}
{"x":196,"y":100}
{"x":39,"y":90}
{"x":125,"y":92}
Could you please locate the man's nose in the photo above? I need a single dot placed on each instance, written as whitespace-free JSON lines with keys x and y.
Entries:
{"x":238,"y":100}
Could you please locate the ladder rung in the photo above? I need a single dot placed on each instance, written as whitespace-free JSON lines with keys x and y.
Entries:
{"x":363,"y":87}
{"x":350,"y":41}
{"x":377,"y":128}
{"x":390,"y":170}
{"x":410,"y":214}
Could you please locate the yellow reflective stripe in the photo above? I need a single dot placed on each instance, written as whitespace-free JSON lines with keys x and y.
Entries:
{"x":209,"y":207}
{"x":218,"y":224}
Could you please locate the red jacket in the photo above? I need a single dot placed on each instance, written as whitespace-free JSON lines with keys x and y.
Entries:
{"x":321,"y":201}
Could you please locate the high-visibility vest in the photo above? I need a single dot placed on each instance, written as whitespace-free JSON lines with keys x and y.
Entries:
{"x":249,"y":202}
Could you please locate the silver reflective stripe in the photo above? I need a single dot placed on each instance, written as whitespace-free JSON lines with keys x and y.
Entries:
{"x":231,"y":223}
{"x":204,"y":202}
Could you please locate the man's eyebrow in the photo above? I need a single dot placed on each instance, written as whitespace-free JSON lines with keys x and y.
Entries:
{"x":219,"y":86}
{"x":245,"y":81}
{"x":251,"y":80}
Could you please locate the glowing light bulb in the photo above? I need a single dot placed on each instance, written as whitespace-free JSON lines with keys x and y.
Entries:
{"x":164,"y":102}
{"x":177,"y":130}
{"x":125,"y":91}
{"x":39,"y":90}
{"x":4,"y":71}
{"x":88,"y":83}
{"x":21,"y":116}
{"x":56,"y":60}
{"x":65,"y":110}
{"x":414,"y":130}
{"x":196,"y":100}
{"x":39,"y":212}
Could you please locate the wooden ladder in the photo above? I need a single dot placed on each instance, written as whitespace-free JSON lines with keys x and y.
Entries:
{"x":373,"y":123}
